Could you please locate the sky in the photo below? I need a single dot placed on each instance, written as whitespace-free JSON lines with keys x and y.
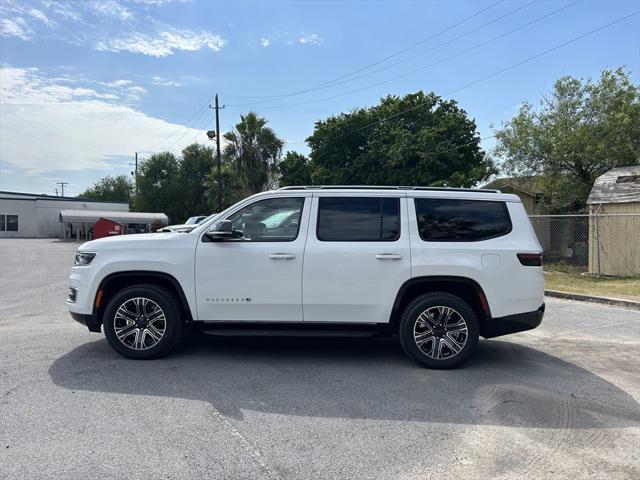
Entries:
{"x":86,"y":84}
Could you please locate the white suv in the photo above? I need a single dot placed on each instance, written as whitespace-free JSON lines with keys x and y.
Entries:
{"x":439,"y":267}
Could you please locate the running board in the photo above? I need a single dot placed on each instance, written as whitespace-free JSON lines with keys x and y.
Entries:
{"x":284,"y":329}
{"x":245,"y":332}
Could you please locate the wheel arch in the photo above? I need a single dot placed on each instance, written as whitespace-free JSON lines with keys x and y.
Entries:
{"x":466,"y":288}
{"x":115,"y":282}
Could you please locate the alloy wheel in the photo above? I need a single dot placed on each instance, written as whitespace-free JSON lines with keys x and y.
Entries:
{"x":139,"y":323}
{"x":440,"y":332}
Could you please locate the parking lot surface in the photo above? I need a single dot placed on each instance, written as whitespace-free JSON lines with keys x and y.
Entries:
{"x":559,"y":402}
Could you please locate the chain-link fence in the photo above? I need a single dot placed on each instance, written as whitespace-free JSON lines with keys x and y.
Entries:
{"x":607,"y":244}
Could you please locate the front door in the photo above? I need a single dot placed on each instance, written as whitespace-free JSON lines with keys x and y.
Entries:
{"x":257,"y":274}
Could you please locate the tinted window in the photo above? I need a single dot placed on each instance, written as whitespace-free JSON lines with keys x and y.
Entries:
{"x":353,"y":219}
{"x":270,"y":220}
{"x":1,"y":223}
{"x":12,"y":223}
{"x":461,"y":220}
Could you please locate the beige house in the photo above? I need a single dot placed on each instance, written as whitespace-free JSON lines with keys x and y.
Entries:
{"x":614,"y":223}
{"x":524,"y":187}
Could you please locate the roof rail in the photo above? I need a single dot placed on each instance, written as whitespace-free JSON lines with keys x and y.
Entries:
{"x":381,"y":187}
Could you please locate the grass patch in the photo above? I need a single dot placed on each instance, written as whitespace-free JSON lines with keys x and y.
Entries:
{"x":628,"y":288}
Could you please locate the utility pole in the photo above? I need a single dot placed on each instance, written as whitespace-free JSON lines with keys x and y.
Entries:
{"x":62,"y":185}
{"x":135,"y":178}
{"x":216,"y":134}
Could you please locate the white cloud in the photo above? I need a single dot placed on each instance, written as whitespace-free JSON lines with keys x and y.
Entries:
{"x":265,"y":42}
{"x":157,"y":2}
{"x":164,"y":82}
{"x":111,"y":8}
{"x":47,"y":125}
{"x":163,"y":43}
{"x":64,"y":10}
{"x":15,"y":27}
{"x":117,"y":83}
{"x":311,"y":39}
{"x":38,"y":15}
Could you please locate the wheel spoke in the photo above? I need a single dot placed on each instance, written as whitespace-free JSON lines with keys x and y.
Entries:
{"x":154,"y":333}
{"x":454,"y":345}
{"x":125,"y":331}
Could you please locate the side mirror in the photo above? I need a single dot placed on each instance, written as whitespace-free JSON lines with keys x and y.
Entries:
{"x":221,"y":230}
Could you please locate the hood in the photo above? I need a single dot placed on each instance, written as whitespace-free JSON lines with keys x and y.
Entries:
{"x":136,"y":240}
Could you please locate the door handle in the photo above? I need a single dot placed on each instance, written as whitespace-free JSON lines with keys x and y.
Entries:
{"x":388,"y":256}
{"x":282,"y":256}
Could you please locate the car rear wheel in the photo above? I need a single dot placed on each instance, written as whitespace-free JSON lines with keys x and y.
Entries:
{"x":439,"y":330}
{"x":143,"y":322}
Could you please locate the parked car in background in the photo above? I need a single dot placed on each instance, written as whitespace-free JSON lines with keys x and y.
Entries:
{"x":185,"y":227}
{"x":438,"y":267}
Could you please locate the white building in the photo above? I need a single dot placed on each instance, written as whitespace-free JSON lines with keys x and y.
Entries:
{"x":33,"y":215}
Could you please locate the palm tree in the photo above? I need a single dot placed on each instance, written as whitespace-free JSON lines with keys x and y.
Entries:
{"x":252,"y":152}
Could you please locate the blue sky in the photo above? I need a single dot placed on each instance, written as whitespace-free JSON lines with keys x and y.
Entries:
{"x":83,"y":85}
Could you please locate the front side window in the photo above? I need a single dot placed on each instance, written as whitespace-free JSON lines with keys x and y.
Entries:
{"x":2,"y":224}
{"x":358,"y":219}
{"x":12,"y":223}
{"x":451,"y":220}
{"x":270,"y":220}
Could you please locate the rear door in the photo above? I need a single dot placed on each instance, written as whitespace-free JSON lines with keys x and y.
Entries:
{"x":357,"y":256}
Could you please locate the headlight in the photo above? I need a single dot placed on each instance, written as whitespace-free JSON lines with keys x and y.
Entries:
{"x":83,"y":258}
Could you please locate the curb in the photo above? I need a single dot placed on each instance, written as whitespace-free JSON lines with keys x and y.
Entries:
{"x":590,"y":298}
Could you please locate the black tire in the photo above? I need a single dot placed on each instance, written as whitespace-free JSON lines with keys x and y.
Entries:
{"x":414,"y":328}
{"x":171,"y":318}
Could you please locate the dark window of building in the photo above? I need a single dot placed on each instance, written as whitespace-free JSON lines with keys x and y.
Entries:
{"x":2,"y":224}
{"x":358,"y":219}
{"x":12,"y":223}
{"x":450,"y":220}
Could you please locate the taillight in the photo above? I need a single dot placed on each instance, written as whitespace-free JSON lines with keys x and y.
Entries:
{"x":530,"y":259}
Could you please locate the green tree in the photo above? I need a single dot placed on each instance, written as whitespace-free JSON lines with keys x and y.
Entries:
{"x":424,"y":141}
{"x":294,"y":169}
{"x":581,"y":129}
{"x":118,"y":188}
{"x":252,"y":153}
{"x":157,"y":186}
{"x":191,"y":181}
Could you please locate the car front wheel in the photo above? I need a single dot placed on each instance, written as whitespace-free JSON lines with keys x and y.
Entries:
{"x":143,"y":322}
{"x":439,"y":330}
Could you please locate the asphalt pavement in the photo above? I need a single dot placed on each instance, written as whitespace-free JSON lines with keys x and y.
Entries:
{"x":558,"y":402}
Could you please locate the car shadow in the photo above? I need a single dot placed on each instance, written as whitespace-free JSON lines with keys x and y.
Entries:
{"x":368,"y":378}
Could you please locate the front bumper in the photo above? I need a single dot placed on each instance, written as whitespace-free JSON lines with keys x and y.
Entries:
{"x":496,"y":327}
{"x":89,"y":319}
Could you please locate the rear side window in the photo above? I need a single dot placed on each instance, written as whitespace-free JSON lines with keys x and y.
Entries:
{"x":450,"y":220}
{"x":358,"y":219}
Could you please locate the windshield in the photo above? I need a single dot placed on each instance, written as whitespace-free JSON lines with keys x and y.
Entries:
{"x":194,"y":220}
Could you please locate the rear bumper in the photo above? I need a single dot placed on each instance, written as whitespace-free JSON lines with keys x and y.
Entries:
{"x":88,"y":319}
{"x":520,"y":322}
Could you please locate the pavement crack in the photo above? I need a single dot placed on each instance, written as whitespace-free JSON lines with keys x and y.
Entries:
{"x":250,"y":447}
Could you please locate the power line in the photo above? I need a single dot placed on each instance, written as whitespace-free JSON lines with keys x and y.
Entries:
{"x":377,"y":62}
{"x":424,"y":52}
{"x":506,"y":69}
{"x":438,"y":62}
{"x":201,"y":109}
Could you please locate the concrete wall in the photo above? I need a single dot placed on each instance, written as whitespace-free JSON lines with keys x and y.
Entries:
{"x":26,"y":211}
{"x":618,"y":238}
